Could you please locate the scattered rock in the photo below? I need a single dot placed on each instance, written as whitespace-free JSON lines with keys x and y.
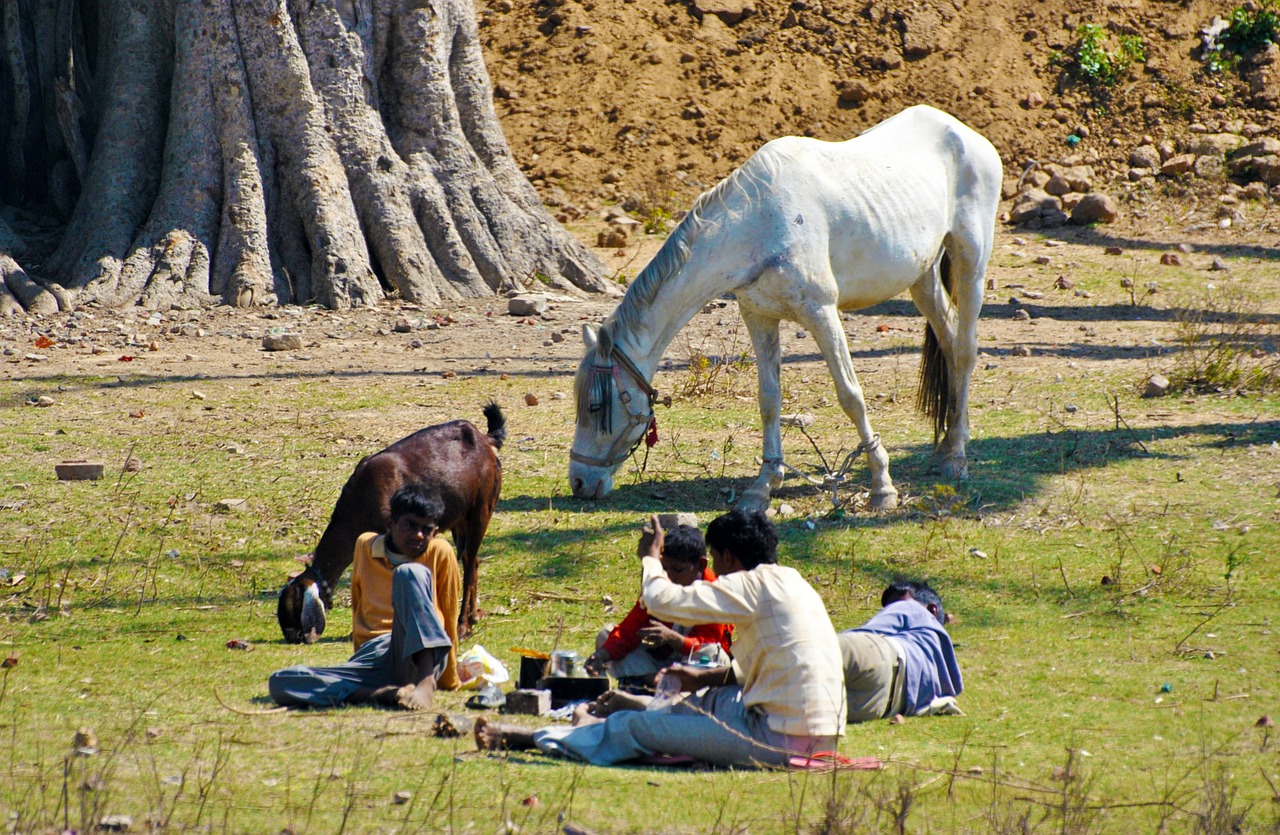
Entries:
{"x":402,"y":797}
{"x":1157,"y":386}
{"x":729,"y":11}
{"x":801,"y":419}
{"x":612,"y":238}
{"x":230,"y":505}
{"x":1177,"y":165}
{"x":1021,"y":351}
{"x":1095,"y":208}
{"x":1219,"y":266}
{"x":115,"y":823}
{"x":1063,"y":283}
{"x":282,"y":342}
{"x":402,"y":326}
{"x":1021,"y":315}
{"x":527,"y":304}
{"x":1171,"y":259}
{"x":531,"y":399}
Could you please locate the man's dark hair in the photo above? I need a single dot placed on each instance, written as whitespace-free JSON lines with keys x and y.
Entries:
{"x":925,"y":596}
{"x":918,"y":590}
{"x":747,"y":534}
{"x":418,"y":499}
{"x":683,"y":544}
{"x":899,"y":589}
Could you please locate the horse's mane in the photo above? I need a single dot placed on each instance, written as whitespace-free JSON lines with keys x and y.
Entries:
{"x":709,"y":211}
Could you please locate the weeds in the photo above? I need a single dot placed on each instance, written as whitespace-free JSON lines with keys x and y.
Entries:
{"x":1093,"y":63}
{"x":1248,"y":27}
{"x":1219,"y":333}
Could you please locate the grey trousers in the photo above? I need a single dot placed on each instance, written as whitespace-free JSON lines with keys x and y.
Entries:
{"x":380,"y":661}
{"x":870,"y":674}
{"x":715,"y":727}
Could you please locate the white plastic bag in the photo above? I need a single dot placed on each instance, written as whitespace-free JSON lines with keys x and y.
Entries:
{"x":476,"y":667}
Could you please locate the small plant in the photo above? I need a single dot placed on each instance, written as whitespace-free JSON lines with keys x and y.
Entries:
{"x":1092,"y":62}
{"x":1218,"y":335}
{"x":1249,"y":26}
{"x":657,"y":209}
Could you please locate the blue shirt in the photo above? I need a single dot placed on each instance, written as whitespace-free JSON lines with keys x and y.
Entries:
{"x":930,"y":666}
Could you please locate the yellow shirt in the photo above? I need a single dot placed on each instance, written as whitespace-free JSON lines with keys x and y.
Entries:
{"x":371,"y":609}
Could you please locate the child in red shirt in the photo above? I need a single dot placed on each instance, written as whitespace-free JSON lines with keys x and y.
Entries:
{"x":636,"y":649}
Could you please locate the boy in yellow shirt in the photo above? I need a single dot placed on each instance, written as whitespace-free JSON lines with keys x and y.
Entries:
{"x":405,"y":591}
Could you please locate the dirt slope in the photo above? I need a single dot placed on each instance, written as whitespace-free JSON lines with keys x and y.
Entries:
{"x":653,"y":100}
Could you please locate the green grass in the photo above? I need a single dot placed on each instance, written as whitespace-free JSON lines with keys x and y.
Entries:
{"x":1090,"y":706}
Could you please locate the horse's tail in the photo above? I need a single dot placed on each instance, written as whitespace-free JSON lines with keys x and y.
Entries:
{"x":497,"y":423}
{"x":935,"y":387}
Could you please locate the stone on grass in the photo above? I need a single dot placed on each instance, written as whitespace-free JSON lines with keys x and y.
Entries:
{"x":801,"y":419}
{"x":1157,"y":386}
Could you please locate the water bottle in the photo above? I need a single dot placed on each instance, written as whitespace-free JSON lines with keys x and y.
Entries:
{"x":666,"y":692}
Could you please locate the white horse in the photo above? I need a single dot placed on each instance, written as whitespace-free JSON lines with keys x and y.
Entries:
{"x":803,"y":230}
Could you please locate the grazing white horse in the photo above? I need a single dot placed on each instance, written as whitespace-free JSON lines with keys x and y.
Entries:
{"x":803,"y":230}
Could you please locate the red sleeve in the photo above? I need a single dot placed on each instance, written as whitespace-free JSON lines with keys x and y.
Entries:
{"x":709,"y":633}
{"x":625,"y":637}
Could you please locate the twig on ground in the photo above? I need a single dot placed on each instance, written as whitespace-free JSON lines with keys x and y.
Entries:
{"x":243,"y":712}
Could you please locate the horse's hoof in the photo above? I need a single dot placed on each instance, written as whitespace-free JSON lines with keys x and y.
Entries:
{"x":955,"y":469}
{"x":887,"y":500}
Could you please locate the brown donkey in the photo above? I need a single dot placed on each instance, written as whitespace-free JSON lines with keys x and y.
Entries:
{"x":454,"y":458}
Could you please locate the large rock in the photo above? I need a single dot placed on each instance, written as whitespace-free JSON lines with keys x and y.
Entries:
{"x":1145,"y":156}
{"x":1219,"y":144}
{"x":1177,"y":165}
{"x":730,"y":11}
{"x":527,"y":304}
{"x":1095,"y":208}
{"x":1032,"y":204}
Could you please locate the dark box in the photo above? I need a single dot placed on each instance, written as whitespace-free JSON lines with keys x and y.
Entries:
{"x":528,"y":702}
{"x":566,"y":690}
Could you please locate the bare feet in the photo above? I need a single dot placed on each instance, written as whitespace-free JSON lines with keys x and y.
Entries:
{"x":418,"y":696}
{"x":495,"y":736}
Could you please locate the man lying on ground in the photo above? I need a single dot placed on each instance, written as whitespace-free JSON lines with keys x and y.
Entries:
{"x":783,"y":696}
{"x":901,"y":661}
{"x":635,"y":650}
{"x":405,"y":596}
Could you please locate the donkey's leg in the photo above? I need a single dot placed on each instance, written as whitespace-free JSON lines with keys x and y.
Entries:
{"x":824,"y":323}
{"x":969,"y":254}
{"x":764,"y":337}
{"x":931,"y":298}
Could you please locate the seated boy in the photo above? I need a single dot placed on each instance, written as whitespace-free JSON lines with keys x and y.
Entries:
{"x":405,"y":590}
{"x":636,"y":649}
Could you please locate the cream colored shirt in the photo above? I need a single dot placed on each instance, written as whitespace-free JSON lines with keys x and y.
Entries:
{"x":784,"y":647}
{"x":371,"y":608}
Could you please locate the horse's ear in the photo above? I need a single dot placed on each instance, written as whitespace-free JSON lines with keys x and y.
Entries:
{"x":589,"y":336}
{"x":605,"y":347}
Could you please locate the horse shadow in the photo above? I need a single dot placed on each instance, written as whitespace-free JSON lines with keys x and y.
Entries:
{"x":1005,"y":471}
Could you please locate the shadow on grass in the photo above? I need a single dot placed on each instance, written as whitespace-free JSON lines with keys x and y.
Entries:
{"x":1004,"y":472}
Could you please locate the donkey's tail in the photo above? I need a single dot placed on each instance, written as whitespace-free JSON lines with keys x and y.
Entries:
{"x":497,"y":423}
{"x":934,"y":391}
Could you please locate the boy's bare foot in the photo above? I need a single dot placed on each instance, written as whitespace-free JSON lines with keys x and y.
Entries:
{"x":418,"y":696}
{"x":496,"y":736}
{"x":584,"y":714}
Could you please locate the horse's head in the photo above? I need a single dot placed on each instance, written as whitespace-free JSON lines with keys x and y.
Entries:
{"x":301,"y":610}
{"x":615,"y":407}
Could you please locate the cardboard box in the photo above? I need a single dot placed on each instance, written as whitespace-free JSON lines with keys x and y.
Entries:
{"x":528,"y":702}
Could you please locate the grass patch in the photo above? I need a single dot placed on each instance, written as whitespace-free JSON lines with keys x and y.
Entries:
{"x":1112,"y":567}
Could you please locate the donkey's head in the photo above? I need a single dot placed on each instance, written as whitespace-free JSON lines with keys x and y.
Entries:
{"x":302,"y":607}
{"x":615,"y":407}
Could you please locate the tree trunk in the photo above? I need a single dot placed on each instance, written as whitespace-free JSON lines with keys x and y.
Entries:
{"x":258,"y":152}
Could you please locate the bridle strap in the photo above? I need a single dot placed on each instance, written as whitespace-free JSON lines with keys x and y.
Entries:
{"x":615,"y":454}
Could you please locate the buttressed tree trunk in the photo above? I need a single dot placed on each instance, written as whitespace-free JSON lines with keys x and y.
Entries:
{"x":174,"y":153}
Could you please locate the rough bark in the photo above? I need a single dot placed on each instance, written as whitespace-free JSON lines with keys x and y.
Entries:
{"x":264,"y":151}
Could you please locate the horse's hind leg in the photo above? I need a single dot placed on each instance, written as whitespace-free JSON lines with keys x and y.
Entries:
{"x":951,"y":305}
{"x":824,"y":322}
{"x":764,"y":338}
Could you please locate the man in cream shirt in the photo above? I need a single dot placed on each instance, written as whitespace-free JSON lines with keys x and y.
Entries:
{"x":783,"y":697}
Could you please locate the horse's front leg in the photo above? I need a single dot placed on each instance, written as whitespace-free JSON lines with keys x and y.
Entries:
{"x":827,"y":332}
{"x":764,"y":337}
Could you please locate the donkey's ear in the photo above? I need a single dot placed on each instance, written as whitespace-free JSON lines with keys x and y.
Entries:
{"x":589,"y":336}
{"x":605,"y":347}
